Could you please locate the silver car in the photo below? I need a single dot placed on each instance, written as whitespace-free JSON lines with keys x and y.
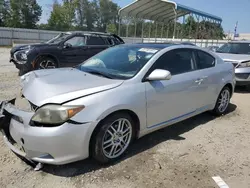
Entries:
{"x":123,"y":93}
{"x":238,"y":53}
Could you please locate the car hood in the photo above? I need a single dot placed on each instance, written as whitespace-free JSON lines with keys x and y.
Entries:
{"x":234,"y":57}
{"x":30,"y":46}
{"x":61,"y":85}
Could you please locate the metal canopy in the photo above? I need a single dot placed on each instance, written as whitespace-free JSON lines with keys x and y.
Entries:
{"x":161,"y":11}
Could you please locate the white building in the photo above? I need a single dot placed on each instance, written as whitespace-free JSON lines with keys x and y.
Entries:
{"x":242,"y":36}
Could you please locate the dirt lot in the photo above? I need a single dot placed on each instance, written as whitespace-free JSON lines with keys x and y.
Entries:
{"x":187,"y":154}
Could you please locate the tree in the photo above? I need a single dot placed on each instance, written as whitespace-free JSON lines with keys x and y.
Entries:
{"x":62,"y":16}
{"x":108,"y":14}
{"x":4,"y":12}
{"x":86,"y":14}
{"x":24,"y":14}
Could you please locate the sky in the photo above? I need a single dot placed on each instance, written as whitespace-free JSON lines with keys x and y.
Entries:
{"x":230,"y":11}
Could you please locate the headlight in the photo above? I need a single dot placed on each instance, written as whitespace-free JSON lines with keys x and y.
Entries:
{"x":21,"y":55}
{"x":245,"y":64}
{"x":55,"y":114}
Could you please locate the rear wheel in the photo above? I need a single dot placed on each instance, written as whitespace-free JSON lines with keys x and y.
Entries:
{"x":222,"y":101}
{"x":46,"y":63}
{"x":113,"y":138}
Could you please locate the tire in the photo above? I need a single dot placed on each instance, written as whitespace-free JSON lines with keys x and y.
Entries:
{"x":46,"y":62}
{"x":112,"y":150}
{"x":224,"y":97}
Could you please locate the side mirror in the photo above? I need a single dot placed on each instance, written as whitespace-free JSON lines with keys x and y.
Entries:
{"x":159,"y":74}
{"x":67,"y":45}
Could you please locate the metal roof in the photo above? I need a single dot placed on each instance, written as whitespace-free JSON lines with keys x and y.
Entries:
{"x":161,"y":10}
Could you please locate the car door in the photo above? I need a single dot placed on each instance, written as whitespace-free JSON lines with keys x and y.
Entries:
{"x":74,"y":51}
{"x":209,"y":78}
{"x":171,"y":100}
{"x":95,"y":45}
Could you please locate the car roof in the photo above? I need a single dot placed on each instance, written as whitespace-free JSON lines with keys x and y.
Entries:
{"x":88,"y":33}
{"x":157,"y":45}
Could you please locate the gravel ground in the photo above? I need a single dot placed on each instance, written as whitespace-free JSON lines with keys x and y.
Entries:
{"x":187,"y":154}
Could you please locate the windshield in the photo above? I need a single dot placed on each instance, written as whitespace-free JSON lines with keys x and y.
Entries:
{"x":58,"y":38}
{"x":120,"y":62}
{"x":235,"y":48}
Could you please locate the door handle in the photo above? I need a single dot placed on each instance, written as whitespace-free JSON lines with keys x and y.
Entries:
{"x":199,"y":81}
{"x":204,"y":77}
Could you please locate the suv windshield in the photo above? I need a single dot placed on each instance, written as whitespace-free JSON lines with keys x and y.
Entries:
{"x":58,"y":38}
{"x":120,"y":62}
{"x":235,"y":48}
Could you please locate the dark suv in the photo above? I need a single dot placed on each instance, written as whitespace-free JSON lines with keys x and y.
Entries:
{"x":65,"y":50}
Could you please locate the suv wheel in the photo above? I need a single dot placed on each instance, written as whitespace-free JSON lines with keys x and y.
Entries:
{"x":46,"y":63}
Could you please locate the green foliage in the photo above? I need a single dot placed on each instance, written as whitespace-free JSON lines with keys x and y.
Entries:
{"x":4,"y":12}
{"x":22,"y":14}
{"x":62,"y":16}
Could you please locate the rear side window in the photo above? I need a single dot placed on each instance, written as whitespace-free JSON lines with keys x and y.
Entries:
{"x":204,"y":60}
{"x":95,"y":40}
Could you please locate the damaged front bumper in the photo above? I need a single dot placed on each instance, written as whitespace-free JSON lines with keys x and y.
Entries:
{"x":51,"y":145}
{"x":5,"y":119}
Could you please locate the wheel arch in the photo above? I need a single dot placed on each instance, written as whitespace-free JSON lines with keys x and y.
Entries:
{"x":133,"y":115}
{"x":230,"y":86}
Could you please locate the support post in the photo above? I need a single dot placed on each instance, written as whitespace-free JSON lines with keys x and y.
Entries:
{"x":149,"y":33}
{"x":212,"y":32}
{"x":190,"y":27}
{"x":175,"y":20}
{"x":135,"y":30}
{"x":127,"y":27}
{"x":155,"y":31}
{"x":142,"y":31}
{"x":197,"y":28}
{"x":119,"y":27}
{"x":162,"y":31}
{"x":183,"y":26}
{"x":203,"y":31}
{"x":219,"y":26}
{"x":167,"y":32}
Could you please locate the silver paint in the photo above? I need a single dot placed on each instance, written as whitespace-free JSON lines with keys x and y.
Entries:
{"x":157,"y":104}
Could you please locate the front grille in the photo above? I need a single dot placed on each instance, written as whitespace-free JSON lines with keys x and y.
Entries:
{"x":242,"y":75}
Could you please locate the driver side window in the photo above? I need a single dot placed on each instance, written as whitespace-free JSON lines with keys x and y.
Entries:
{"x":76,"y":41}
{"x":176,"y":61}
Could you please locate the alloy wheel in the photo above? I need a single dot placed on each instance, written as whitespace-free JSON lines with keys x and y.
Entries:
{"x":47,"y":64}
{"x":117,"y":138}
{"x":223,"y":100}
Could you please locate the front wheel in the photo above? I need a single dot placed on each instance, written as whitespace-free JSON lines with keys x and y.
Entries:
{"x":46,"y":63}
{"x":222,"y":101}
{"x":113,"y":138}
